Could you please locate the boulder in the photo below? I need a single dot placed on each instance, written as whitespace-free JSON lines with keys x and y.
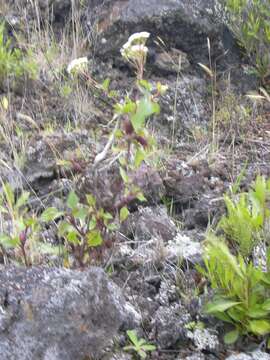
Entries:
{"x":56,"y":314}
{"x":181,"y":24}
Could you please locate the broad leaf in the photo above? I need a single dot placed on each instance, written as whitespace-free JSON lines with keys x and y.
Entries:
{"x":124,"y":213}
{"x":72,"y":200}
{"x":231,"y":337}
{"x":259,"y":327}
{"x":94,"y":238}
{"x":220,"y":306}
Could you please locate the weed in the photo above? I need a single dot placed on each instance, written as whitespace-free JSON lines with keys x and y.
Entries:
{"x":13,"y":63}
{"x":139,"y":346}
{"x":246,"y":217}
{"x":249,"y":20}
{"x":20,"y":228}
{"x":241,"y":291}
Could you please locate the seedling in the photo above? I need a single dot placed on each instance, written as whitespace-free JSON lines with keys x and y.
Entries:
{"x":139,"y":346}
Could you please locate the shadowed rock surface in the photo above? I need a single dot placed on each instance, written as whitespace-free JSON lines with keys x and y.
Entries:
{"x":57,"y":314}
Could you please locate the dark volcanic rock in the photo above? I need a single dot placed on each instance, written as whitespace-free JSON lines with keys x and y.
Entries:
{"x":57,"y":314}
{"x":181,"y":24}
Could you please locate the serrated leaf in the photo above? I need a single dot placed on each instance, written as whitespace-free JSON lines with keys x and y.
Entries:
{"x":94,"y":238}
{"x":124,"y":213}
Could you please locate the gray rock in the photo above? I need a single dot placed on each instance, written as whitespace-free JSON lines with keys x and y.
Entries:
{"x":168,"y":325}
{"x":204,"y":339}
{"x":255,"y":355}
{"x":56,"y":314}
{"x":196,"y":356}
{"x":149,"y":222}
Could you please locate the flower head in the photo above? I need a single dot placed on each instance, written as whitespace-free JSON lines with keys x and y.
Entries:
{"x":77,"y":65}
{"x":139,"y":37}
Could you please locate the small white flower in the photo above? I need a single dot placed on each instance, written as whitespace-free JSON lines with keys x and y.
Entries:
{"x":77,"y":65}
{"x":138,"y":37}
{"x":138,"y":49}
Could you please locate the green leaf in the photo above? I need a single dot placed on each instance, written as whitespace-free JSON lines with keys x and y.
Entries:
{"x":220,"y":306}
{"x":105,"y":85}
{"x":145,"y":108}
{"x":149,"y":347}
{"x":72,"y":200}
{"x":8,"y":242}
{"x":91,"y":200}
{"x":9,"y":194}
{"x":259,"y":327}
{"x":22,"y":200}
{"x":50,"y":214}
{"x":124,"y":175}
{"x":139,"y":157}
{"x":266,"y":305}
{"x":94,"y":238}
{"x":92,"y":224}
{"x":257,"y":311}
{"x":72,"y":237}
{"x":49,"y":249}
{"x":132,"y":336}
{"x":142,"y":354}
{"x":141,"y":197}
{"x":124,"y":213}
{"x":231,"y":337}
{"x":64,"y":227}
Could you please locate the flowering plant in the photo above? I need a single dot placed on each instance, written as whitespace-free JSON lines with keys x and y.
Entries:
{"x":135,"y":51}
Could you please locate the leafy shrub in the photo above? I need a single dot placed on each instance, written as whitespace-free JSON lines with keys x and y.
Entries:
{"x":247,"y":216}
{"x":241,"y":291}
{"x":83,"y":226}
{"x":13,"y":62}
{"x":18,"y":227}
{"x":249,"y":20}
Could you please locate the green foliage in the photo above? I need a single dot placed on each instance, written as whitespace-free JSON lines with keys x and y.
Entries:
{"x":247,"y":216}
{"x":83,"y":226}
{"x":18,"y":226}
{"x":249,"y":21}
{"x":13,"y":62}
{"x":139,"y":346}
{"x":241,"y":291}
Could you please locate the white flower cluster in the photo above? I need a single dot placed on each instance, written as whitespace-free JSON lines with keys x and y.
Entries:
{"x":135,"y":46}
{"x":77,"y":65}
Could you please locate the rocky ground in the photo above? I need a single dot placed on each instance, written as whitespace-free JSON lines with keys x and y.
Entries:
{"x":147,"y":279}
